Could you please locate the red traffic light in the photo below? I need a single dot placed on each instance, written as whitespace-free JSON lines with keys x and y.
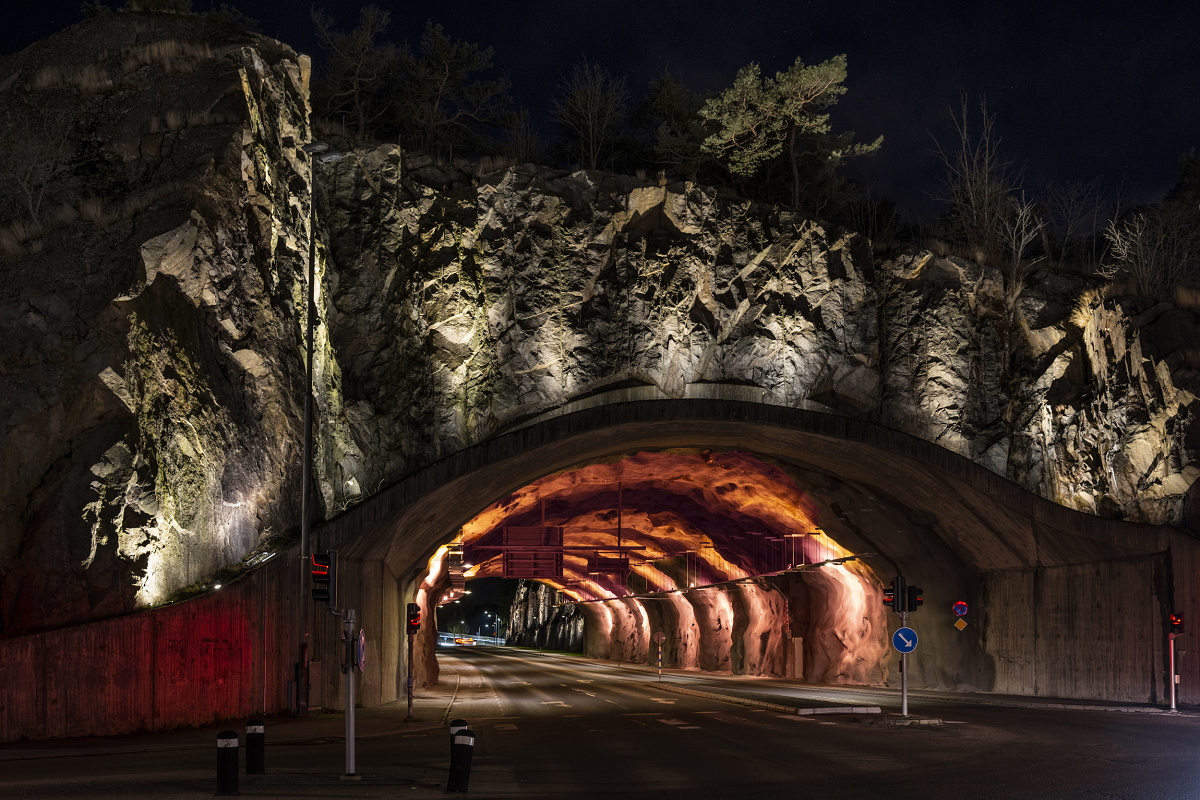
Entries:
{"x":414,"y":619}
{"x":1175,"y":622}
{"x":324,"y":577}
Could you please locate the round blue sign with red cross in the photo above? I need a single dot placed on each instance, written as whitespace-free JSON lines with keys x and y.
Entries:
{"x":960,"y":608}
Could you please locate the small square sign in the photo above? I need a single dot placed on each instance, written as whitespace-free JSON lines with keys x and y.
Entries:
{"x":960,"y":623}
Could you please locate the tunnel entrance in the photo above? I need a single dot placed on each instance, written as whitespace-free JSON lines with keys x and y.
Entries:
{"x":720,"y":551}
{"x":1030,"y":570}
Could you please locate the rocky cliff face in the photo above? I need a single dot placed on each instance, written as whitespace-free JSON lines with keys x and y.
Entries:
{"x":153,"y":322}
{"x":461,"y":306}
{"x":152,"y":319}
{"x":536,"y":622}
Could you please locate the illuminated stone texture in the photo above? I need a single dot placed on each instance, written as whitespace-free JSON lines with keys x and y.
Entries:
{"x":464,"y":306}
{"x":152,"y":346}
{"x":151,"y":349}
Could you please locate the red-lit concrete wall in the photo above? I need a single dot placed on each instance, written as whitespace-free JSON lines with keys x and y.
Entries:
{"x":225,"y":655}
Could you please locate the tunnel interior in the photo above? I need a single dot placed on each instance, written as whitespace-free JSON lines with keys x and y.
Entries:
{"x":723,"y":552}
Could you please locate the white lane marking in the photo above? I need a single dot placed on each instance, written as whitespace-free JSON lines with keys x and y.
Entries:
{"x":672,"y":721}
{"x":663,"y":700}
{"x":688,"y":728}
{"x":555,"y":703}
{"x":795,"y":718}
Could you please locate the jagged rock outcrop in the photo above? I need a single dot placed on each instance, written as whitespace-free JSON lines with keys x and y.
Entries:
{"x":152,"y":321}
{"x":535,"y":621}
{"x":461,"y":306}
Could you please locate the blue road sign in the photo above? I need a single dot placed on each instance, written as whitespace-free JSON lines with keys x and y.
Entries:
{"x":960,"y":608}
{"x":905,"y":640}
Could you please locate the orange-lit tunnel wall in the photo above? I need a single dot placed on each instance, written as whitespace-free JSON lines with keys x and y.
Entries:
{"x":732,"y":567}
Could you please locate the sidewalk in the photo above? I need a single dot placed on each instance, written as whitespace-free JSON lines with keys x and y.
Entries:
{"x":318,"y":727}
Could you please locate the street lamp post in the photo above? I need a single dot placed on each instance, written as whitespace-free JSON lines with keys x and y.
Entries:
{"x":318,"y":153}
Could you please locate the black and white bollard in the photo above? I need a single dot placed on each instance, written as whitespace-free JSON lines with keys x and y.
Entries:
{"x":256,"y":746}
{"x":462,"y":749}
{"x":227,"y":762}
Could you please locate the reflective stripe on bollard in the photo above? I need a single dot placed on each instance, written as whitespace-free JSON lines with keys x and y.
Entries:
{"x":227,"y":763}
{"x":462,"y":750}
{"x":256,"y":745}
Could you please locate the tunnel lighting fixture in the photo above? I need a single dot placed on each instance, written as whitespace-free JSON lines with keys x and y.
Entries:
{"x":216,"y":586}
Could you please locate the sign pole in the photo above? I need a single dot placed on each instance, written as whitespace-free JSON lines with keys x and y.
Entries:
{"x":904,"y":671}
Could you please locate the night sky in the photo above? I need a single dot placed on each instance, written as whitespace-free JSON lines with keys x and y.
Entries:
{"x":1111,"y":92}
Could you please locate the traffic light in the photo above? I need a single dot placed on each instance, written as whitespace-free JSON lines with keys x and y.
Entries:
{"x":324,"y":578}
{"x":414,"y":619}
{"x":889,"y":598}
{"x":1175,"y":624}
{"x":914,"y":598}
{"x":899,"y":594}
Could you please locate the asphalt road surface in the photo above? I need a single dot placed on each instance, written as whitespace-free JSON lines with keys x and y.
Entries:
{"x":552,"y":726}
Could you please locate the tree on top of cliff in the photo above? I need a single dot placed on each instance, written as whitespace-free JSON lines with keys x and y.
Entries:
{"x":358,"y":67}
{"x":679,"y":131}
{"x":754,"y":120}
{"x":439,"y":102}
{"x":590,"y":104}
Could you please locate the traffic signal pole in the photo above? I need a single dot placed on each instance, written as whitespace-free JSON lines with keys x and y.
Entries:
{"x":410,"y":717}
{"x":1171,"y":638}
{"x":413,"y":625}
{"x":349,"y":670}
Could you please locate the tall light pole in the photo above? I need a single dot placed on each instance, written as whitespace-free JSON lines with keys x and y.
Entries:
{"x":318,"y":153}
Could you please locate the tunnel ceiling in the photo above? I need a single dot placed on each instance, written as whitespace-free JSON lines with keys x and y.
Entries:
{"x":702,"y":517}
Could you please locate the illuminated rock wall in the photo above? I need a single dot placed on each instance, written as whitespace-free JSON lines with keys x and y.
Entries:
{"x":151,"y":349}
{"x":534,"y":620}
{"x":464,"y":305}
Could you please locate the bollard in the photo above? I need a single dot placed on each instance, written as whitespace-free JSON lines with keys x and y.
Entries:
{"x":457,"y":725}
{"x":256,"y":745}
{"x":227,"y":762}
{"x":462,"y":749}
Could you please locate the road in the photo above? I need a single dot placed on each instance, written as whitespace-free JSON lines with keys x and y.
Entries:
{"x":553,"y":726}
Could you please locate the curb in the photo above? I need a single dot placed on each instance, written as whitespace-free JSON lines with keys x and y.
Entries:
{"x":746,"y":701}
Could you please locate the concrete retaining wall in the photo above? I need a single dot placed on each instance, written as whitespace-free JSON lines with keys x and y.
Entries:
{"x":226,"y":655}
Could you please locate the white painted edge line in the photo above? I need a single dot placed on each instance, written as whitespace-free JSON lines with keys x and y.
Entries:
{"x":453,"y":697}
{"x":746,"y":701}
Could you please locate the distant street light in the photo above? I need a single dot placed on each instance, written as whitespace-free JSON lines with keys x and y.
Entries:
{"x":319,"y":153}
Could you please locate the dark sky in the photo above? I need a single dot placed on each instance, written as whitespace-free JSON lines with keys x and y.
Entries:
{"x":1080,"y":90}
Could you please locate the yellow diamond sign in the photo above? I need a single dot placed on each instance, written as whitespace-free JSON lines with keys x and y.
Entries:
{"x":960,"y":623}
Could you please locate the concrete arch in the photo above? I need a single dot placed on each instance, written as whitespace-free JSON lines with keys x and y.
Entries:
{"x":963,"y":532}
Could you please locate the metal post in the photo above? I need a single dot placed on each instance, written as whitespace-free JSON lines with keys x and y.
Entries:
{"x":410,"y":717}
{"x":660,"y":661}
{"x":904,"y":671}
{"x":348,"y":668}
{"x":306,"y":466}
{"x":1171,"y":637}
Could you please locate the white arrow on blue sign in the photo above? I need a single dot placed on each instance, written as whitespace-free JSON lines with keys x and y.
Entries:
{"x":905,"y":640}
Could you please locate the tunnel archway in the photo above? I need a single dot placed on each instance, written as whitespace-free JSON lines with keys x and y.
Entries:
{"x":948,"y":524}
{"x":718,"y":551}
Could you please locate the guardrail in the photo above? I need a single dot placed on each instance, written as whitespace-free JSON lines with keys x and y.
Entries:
{"x":465,"y":639}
